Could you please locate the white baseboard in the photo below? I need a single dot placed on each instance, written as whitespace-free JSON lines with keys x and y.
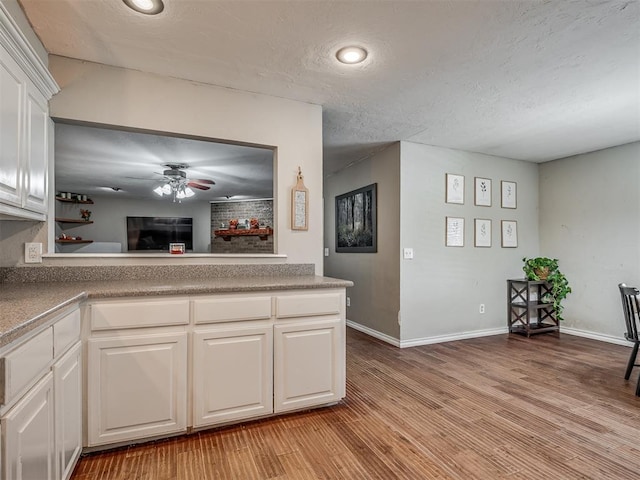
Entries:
{"x":453,"y":337}
{"x":476,"y":334}
{"x":374,"y":333}
{"x":426,"y":340}
{"x":595,"y":336}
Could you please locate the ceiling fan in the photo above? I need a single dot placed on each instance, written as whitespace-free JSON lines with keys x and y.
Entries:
{"x":177,"y":183}
{"x":176,"y":173}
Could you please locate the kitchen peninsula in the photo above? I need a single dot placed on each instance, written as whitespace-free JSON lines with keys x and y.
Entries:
{"x":149,"y":358}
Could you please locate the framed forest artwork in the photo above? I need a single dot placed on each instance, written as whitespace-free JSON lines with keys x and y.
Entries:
{"x":356,"y":228}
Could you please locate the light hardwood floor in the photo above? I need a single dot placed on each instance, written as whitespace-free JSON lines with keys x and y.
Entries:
{"x":496,"y":407}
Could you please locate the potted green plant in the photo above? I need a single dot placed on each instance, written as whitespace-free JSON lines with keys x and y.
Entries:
{"x":544,"y":268}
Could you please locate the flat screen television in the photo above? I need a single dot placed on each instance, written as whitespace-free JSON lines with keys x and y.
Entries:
{"x":156,"y":233}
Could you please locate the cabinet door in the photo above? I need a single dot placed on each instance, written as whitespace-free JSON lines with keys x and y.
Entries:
{"x":232,"y":373}
{"x":67,"y":380}
{"x":36,"y":151}
{"x":11,"y":104}
{"x":29,"y":436}
{"x":309,"y":360}
{"x":136,"y":387}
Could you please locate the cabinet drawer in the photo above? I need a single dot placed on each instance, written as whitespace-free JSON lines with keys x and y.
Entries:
{"x":308,"y":305}
{"x":25,"y":365}
{"x":66,"y":332}
{"x":231,"y":309}
{"x":139,"y":313}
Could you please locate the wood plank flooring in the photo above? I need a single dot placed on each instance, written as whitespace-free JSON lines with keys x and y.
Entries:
{"x":501,"y":407}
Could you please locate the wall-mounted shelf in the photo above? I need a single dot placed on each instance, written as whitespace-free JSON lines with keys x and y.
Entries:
{"x":74,"y":221}
{"x":71,"y":200}
{"x":226,"y":235}
{"x":59,"y":240}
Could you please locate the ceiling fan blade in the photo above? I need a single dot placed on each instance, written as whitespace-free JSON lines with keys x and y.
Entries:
{"x":197,"y":185}
{"x":203,"y":180}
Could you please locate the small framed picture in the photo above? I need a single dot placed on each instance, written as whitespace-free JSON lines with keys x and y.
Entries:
{"x":509,"y":234}
{"x":482,"y":232}
{"x":509,"y":194}
{"x":483,"y":192}
{"x":454,"y":188}
{"x":455,"y":232}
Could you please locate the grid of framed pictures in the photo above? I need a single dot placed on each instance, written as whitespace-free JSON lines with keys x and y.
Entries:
{"x":482,"y":197}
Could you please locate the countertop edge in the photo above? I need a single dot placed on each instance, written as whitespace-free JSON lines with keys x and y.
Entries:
{"x":101,"y":290}
{"x":38,"y":320}
{"x":204,"y":289}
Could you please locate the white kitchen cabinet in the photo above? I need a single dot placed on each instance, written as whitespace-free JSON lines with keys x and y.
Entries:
{"x":309,"y":363}
{"x":12,"y":84}
{"x":232,"y":373}
{"x":136,"y":386}
{"x":25,"y":126}
{"x":38,"y":127}
{"x":170,"y":364}
{"x":67,"y":380}
{"x":28,"y":433}
{"x":41,"y":411}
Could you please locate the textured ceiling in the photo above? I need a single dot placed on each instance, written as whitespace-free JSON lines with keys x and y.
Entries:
{"x":530,"y":80}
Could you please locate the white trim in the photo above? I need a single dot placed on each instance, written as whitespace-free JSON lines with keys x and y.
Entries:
{"x":10,"y":212}
{"x":374,"y":333}
{"x":426,"y":340}
{"x":476,"y":334}
{"x":16,"y":44}
{"x":453,"y":337}
{"x":596,"y":336}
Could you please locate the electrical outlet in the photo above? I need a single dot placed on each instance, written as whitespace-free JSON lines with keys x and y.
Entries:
{"x":408,"y":253}
{"x":32,"y":253}
{"x":348,"y":302}
{"x":326,"y":252}
{"x":481,"y":309}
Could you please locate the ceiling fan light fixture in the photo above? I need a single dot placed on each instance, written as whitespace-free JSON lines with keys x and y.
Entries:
{"x":148,"y":7}
{"x":351,"y":55}
{"x":188,"y":192}
{"x":159,"y":191}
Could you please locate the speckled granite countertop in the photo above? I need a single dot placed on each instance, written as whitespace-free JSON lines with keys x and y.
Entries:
{"x":25,"y":306}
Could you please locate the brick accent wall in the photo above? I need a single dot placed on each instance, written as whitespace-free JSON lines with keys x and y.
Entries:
{"x":222,"y":212}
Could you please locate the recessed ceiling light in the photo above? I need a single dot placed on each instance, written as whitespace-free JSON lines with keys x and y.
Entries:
{"x":351,"y":55}
{"x":148,"y":7}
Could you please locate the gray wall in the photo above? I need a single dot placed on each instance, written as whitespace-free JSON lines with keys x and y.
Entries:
{"x":375,"y":297}
{"x":442,"y":287}
{"x":110,"y":219}
{"x":589,"y":220}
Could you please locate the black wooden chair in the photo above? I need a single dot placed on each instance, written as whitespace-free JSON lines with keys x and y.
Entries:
{"x":631,"y":308}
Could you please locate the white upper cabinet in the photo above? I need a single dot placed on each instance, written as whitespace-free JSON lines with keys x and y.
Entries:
{"x":25,"y":128}
{"x":36,"y":158}
{"x":11,"y":95}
